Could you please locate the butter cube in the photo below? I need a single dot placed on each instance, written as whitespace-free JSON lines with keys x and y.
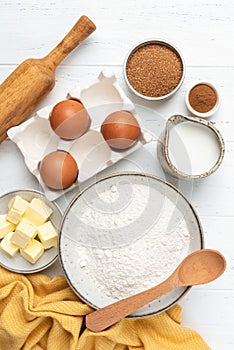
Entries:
{"x":47,"y":235}
{"x":24,"y":232}
{"x":33,"y":251}
{"x":14,"y":216}
{"x":18,"y":204}
{"x":5,"y":226}
{"x":17,"y":207}
{"x":9,"y":247}
{"x":37,"y":212}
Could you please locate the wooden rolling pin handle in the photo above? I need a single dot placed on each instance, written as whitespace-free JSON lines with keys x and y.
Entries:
{"x":79,"y":32}
{"x":33,"y":79}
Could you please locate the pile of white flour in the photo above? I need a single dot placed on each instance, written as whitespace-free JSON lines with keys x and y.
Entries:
{"x":123,"y":271}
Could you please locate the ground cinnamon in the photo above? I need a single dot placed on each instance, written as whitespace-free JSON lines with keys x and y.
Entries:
{"x":202,"y":98}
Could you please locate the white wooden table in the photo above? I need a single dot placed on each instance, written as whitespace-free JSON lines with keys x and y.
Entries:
{"x":203,"y":30}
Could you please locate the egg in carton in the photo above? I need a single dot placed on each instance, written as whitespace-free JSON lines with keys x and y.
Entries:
{"x":36,"y":139}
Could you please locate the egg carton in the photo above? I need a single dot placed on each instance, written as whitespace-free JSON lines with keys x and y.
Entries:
{"x":36,"y":139}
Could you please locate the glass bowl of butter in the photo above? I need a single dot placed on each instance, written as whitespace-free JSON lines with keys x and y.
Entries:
{"x":29,"y":226}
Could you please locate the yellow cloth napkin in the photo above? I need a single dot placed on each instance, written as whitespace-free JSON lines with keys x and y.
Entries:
{"x":38,"y":312}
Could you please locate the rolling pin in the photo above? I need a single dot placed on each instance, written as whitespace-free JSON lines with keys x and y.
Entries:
{"x":33,"y":79}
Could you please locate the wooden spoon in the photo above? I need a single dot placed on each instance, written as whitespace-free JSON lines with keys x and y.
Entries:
{"x":200,"y":267}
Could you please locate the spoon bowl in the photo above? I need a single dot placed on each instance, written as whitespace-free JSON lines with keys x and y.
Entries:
{"x":200,"y":267}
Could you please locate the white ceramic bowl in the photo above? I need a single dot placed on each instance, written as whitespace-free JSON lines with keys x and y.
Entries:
{"x":17,"y":263}
{"x":72,"y":236}
{"x":206,"y":114}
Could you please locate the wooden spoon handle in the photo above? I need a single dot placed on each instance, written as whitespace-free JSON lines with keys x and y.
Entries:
{"x":80,"y":31}
{"x":107,"y":316}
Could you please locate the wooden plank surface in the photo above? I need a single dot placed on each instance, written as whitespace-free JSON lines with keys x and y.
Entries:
{"x":202,"y":30}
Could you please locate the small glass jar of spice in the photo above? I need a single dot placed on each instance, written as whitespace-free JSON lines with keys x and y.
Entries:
{"x":202,"y":100}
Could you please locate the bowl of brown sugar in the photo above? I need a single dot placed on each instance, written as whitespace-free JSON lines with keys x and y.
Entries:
{"x":154,"y":69}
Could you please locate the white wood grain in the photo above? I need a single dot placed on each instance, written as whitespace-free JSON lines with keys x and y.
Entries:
{"x":211,"y":317}
{"x":203,"y":31}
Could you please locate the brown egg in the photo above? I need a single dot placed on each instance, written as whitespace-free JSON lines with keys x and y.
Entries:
{"x":120,"y":130}
{"x":69,"y":119}
{"x":58,"y":170}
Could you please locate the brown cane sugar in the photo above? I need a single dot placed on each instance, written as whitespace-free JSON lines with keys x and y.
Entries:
{"x":202,"y":98}
{"x":154,"y":70}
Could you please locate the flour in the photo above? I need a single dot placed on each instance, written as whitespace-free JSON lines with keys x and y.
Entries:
{"x":123,"y":271}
